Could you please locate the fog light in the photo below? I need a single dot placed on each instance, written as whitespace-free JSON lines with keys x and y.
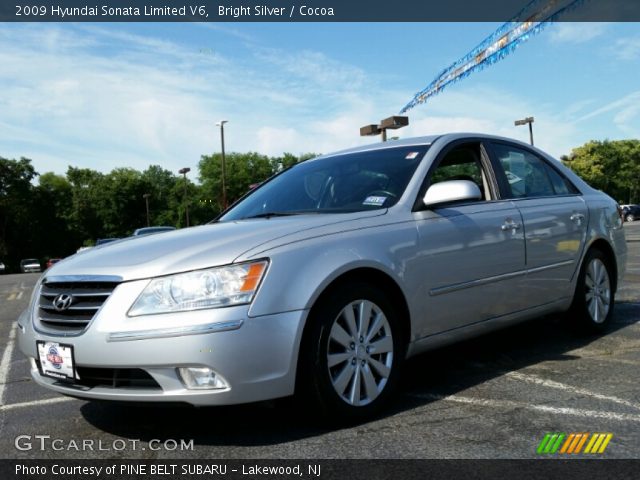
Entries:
{"x":201,"y":378}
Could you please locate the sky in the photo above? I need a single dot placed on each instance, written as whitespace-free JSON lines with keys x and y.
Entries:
{"x":105,"y":96}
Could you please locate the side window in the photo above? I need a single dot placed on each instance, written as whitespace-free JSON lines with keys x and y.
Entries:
{"x":527,"y":175}
{"x":462,"y":163}
{"x":560,"y":184}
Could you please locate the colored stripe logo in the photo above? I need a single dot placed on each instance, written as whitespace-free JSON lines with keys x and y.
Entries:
{"x":573,"y":443}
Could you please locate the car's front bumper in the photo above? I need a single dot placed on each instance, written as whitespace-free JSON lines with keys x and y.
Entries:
{"x":257,"y":360}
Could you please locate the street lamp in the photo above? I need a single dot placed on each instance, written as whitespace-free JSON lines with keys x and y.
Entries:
{"x":146,"y":201}
{"x":184,"y":172}
{"x":224,"y":186}
{"x":524,"y":121}
{"x":390,"y":123}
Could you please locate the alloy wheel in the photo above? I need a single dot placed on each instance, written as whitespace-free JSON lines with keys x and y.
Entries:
{"x":597,"y":290}
{"x":360,"y":352}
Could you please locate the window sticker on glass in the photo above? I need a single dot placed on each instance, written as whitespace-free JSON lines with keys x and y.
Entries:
{"x":411,"y":155}
{"x":376,"y":201}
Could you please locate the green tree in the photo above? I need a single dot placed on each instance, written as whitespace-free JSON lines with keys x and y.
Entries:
{"x":83,"y":215}
{"x":610,"y":166}
{"x":16,"y":210}
{"x":241,"y":171}
{"x":52,"y":199}
{"x":160,"y":184}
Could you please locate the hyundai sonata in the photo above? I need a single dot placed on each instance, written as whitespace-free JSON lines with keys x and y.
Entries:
{"x":324,"y":278}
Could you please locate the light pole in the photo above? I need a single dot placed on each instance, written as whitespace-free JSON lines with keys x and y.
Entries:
{"x":224,"y":185}
{"x":146,"y":201}
{"x":524,"y":121}
{"x":184,"y":172}
{"x":390,"y":123}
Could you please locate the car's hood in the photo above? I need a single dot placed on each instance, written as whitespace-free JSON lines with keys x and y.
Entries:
{"x":200,"y":247}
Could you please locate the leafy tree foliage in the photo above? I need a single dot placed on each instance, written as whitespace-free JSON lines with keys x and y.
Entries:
{"x":16,"y":205}
{"x":59,"y":213}
{"x":242,"y":171}
{"x":612,"y":166}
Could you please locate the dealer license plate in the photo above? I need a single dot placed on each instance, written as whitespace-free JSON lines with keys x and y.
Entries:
{"x":56,"y":360}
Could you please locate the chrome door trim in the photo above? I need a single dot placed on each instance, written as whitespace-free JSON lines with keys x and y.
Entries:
{"x":497,"y":278}
{"x":475,"y":283}
{"x":551,"y":266}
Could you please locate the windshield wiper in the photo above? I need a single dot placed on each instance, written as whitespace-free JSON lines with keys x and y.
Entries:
{"x":275,"y":214}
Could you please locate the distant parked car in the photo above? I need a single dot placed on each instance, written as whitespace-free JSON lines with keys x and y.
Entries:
{"x":152,"y":230}
{"x":30,"y":265}
{"x":52,"y":261}
{"x":630,"y":213}
{"x":2,"y":267}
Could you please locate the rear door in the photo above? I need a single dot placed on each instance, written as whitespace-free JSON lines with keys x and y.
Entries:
{"x":555,"y":219}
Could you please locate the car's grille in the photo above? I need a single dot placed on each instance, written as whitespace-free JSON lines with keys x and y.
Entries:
{"x":68,"y":307}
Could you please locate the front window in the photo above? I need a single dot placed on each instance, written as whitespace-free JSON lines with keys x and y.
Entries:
{"x":350,"y":182}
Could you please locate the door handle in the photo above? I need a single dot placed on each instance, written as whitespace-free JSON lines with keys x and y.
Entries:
{"x":577,"y":218}
{"x":510,"y":225}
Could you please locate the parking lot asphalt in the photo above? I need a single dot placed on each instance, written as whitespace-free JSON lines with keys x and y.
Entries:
{"x":492,"y":397}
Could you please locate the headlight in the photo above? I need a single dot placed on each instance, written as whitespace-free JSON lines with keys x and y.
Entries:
{"x":214,"y":287}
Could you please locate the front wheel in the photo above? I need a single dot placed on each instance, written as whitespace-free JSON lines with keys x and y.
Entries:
{"x":593,"y":301}
{"x":630,"y":217}
{"x":354,"y":351}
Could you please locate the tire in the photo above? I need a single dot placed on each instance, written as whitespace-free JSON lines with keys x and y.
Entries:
{"x":594,"y":298}
{"x":630,"y":217}
{"x":353,"y":352}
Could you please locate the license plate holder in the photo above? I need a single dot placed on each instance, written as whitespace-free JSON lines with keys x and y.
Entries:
{"x":56,"y":360}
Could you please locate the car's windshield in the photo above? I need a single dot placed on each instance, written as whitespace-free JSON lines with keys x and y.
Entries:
{"x":341,"y":183}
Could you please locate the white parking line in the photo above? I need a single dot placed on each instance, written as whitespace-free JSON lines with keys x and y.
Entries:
{"x":35,"y":403}
{"x":503,"y":404}
{"x":5,"y":363}
{"x":569,"y":388}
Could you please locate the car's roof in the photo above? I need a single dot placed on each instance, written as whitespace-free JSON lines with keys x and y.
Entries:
{"x":423,"y":141}
{"x":405,"y":142}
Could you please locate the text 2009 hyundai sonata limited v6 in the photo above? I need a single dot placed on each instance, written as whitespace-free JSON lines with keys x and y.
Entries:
{"x":326,"y":277}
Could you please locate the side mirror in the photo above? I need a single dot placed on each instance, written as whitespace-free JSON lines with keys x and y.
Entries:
{"x":451,"y":191}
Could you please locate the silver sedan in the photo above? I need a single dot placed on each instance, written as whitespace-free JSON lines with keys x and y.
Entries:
{"x":325,"y":278}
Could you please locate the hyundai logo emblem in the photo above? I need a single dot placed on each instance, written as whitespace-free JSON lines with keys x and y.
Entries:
{"x":62,"y":302}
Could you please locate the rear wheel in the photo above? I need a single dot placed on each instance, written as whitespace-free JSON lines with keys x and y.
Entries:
{"x":354,"y":351}
{"x":593,"y":301}
{"x":630,"y":217}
